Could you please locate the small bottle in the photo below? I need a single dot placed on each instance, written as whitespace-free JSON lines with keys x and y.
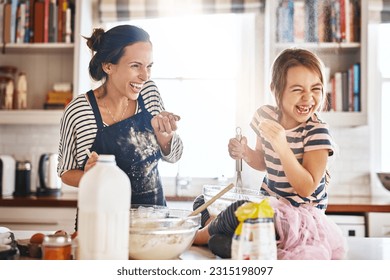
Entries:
{"x":257,"y":240}
{"x":254,"y":238}
{"x":57,"y":247}
{"x":104,"y":211}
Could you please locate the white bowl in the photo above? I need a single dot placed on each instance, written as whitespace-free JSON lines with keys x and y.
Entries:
{"x":160,"y":233}
{"x":227,"y":199}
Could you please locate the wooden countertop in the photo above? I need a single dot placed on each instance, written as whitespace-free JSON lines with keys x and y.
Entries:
{"x":337,"y":204}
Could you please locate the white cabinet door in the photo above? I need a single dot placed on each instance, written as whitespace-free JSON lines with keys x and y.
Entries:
{"x":38,"y":218}
{"x":379,"y":224}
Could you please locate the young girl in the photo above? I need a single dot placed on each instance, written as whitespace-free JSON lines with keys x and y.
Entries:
{"x":293,"y":146}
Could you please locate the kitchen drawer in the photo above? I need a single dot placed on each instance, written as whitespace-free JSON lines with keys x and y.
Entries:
{"x":350,"y":225}
{"x":378,"y":224}
{"x":38,"y":218}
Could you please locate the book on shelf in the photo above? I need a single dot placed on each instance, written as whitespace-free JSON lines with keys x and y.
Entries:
{"x":345,"y":93}
{"x":311,"y":8}
{"x":36,"y":21}
{"x":21,"y":23}
{"x":7,"y":23}
{"x":39,"y":22}
{"x":1,"y":21}
{"x":299,"y":21}
{"x":318,"y":21}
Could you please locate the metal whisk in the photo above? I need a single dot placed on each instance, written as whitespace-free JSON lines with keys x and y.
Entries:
{"x":238,"y":164}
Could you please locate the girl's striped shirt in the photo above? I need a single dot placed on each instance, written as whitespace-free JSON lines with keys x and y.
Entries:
{"x":308,"y":136}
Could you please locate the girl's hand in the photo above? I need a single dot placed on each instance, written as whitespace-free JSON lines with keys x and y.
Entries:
{"x":91,"y":162}
{"x":238,"y":150}
{"x":274,"y":133}
{"x":165,"y":123}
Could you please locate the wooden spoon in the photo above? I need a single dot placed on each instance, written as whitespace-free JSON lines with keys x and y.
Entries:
{"x":212,"y":200}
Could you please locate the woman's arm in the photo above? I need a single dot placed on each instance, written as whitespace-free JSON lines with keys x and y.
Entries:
{"x":73,"y":177}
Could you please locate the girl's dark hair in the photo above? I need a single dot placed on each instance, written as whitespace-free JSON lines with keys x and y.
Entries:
{"x":108,"y":47}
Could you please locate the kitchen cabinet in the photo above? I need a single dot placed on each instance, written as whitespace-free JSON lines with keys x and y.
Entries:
{"x":350,"y":225}
{"x":38,"y":218}
{"x":46,"y":64}
{"x":379,"y":224}
{"x":337,"y":56}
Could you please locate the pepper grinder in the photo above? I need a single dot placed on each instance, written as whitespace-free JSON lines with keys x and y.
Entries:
{"x":22,"y":178}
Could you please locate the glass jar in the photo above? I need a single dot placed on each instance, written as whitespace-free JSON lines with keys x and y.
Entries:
{"x":57,"y":247}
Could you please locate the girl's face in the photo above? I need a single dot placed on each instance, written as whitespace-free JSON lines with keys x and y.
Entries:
{"x":301,"y":97}
{"x":132,"y":70}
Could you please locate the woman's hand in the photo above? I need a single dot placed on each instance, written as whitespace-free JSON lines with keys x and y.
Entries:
{"x":164,"y":126}
{"x":238,"y":149}
{"x":165,"y":123}
{"x":91,"y":161}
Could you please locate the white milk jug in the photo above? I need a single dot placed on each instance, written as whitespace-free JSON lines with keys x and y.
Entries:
{"x":103,"y":212}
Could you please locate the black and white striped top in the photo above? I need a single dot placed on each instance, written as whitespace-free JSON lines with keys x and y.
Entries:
{"x":308,"y":136}
{"x":78,"y":129}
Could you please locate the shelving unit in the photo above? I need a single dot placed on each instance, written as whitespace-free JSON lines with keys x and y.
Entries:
{"x":337,"y":56}
{"x":46,"y":64}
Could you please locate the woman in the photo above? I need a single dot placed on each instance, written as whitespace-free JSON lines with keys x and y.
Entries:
{"x":124,"y":116}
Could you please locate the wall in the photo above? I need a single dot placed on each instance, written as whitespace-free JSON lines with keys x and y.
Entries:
{"x":349,"y":168}
{"x":28,"y":142}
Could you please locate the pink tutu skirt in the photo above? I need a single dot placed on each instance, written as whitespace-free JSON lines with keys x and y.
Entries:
{"x":306,"y":233}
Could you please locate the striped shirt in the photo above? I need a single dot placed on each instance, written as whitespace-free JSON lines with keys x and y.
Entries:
{"x":78,"y":129}
{"x":309,"y":136}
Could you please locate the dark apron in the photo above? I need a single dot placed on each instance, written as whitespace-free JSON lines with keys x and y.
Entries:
{"x":136,"y":151}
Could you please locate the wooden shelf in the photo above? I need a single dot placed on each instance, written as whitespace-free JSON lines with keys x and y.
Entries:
{"x":38,"y":117}
{"x":344,"y":119}
{"x":37,"y":48}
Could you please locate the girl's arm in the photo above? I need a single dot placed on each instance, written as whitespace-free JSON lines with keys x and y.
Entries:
{"x":305,"y":177}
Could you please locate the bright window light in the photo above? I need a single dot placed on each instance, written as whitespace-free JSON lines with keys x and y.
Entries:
{"x":198,"y":70}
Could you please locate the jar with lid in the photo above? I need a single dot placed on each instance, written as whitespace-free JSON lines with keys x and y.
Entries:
{"x":57,"y":247}
{"x":22,"y":178}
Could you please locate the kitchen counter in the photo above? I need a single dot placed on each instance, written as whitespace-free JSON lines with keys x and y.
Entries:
{"x":358,"y":248}
{"x":337,"y":204}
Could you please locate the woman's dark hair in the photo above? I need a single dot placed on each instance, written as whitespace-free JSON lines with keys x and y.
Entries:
{"x":108,"y":47}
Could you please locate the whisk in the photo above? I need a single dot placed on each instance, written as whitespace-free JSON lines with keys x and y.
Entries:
{"x":238,"y":164}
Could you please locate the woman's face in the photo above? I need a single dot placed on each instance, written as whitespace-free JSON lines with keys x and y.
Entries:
{"x":132,"y":70}
{"x":301,"y":97}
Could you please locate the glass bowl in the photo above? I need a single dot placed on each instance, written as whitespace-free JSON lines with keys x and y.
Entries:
{"x":231,"y":196}
{"x":160,"y":233}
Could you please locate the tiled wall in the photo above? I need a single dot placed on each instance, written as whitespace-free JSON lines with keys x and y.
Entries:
{"x":349,"y":168}
{"x":28,"y":142}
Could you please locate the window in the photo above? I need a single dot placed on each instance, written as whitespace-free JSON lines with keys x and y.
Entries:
{"x":204,"y":69}
{"x":384,"y":68}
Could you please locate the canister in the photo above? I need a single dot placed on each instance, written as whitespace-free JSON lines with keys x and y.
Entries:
{"x":23,"y":178}
{"x":57,"y":247}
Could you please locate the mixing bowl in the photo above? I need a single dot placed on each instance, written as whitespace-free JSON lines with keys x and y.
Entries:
{"x":231,"y":196}
{"x":160,"y":233}
{"x":384,"y":177}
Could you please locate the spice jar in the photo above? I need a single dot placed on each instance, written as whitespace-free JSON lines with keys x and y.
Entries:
{"x":57,"y":247}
